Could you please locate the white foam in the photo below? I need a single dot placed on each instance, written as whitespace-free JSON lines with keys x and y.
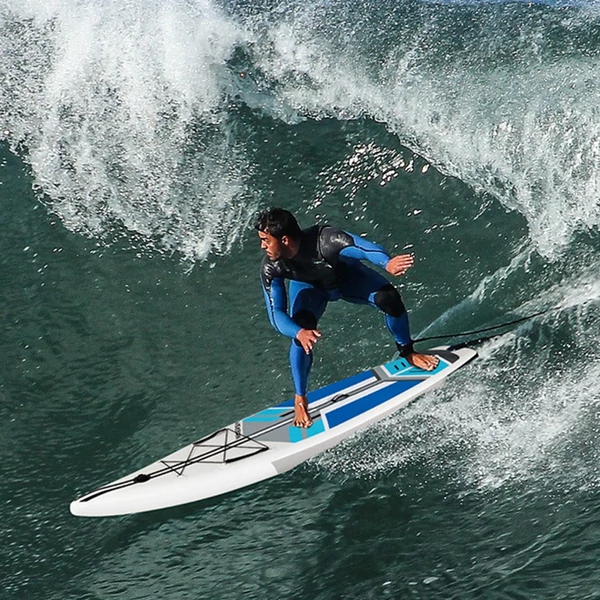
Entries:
{"x":124,"y":105}
{"x":118,"y":104}
{"x":523,"y":129}
{"x":485,"y":432}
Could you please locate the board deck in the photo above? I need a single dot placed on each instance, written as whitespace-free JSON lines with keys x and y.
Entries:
{"x":267,"y":443}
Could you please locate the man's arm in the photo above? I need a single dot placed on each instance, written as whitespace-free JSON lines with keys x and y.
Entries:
{"x":276,"y":302}
{"x":362,"y":249}
{"x":352,"y":246}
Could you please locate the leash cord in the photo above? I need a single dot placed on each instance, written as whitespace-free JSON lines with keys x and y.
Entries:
{"x":479,"y":331}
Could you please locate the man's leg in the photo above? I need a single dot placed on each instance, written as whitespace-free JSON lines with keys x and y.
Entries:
{"x":365,"y":286}
{"x":307,"y":305}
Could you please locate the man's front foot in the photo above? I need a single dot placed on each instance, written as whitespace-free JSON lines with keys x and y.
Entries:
{"x":426,"y":362}
{"x":301,"y":417}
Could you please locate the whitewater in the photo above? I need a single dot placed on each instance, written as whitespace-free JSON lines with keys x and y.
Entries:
{"x":138,"y":140}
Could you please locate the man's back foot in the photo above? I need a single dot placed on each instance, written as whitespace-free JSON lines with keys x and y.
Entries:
{"x":426,"y":362}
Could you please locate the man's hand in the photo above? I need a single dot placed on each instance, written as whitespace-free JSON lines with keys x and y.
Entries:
{"x":308,"y":338}
{"x":398,"y":265}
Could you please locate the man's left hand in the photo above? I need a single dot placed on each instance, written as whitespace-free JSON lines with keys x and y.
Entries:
{"x":398,"y":265}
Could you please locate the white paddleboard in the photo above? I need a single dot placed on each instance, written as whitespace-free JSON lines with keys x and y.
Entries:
{"x":266,"y":443}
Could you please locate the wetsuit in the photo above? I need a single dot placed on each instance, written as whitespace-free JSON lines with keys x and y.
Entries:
{"x":327,"y":267}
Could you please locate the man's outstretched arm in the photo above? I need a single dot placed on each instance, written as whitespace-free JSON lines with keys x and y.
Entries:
{"x":362,"y":249}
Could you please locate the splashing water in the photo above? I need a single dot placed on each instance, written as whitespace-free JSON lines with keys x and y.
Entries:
{"x":124,"y":110}
{"x":118,"y":109}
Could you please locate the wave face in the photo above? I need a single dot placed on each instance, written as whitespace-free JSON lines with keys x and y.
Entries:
{"x":467,"y":132}
{"x":134,"y":115}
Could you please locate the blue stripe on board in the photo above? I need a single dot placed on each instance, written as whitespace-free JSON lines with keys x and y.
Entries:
{"x":297,"y":434}
{"x":332,"y":388}
{"x":317,"y":427}
{"x":362,"y":405}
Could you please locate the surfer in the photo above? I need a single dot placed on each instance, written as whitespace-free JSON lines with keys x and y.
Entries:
{"x":323,"y":264}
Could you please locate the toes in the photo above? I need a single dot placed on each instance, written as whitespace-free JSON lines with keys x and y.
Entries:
{"x":431,"y":366}
{"x":426,"y":362}
{"x":305,"y":422}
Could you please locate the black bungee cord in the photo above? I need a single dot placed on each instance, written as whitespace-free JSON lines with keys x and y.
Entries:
{"x":480,"y":340}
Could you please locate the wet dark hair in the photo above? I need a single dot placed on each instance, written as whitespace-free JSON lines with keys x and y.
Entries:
{"x":278,"y":222}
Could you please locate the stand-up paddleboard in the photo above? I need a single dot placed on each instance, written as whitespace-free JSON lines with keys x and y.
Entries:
{"x":267,"y":443}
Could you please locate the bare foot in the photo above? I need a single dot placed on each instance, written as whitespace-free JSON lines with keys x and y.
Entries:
{"x":427,"y":362}
{"x":301,"y":418}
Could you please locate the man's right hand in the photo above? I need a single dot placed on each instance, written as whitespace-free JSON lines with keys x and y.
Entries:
{"x":308,"y":338}
{"x":398,"y":265}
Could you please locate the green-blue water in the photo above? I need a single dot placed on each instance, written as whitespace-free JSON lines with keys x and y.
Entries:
{"x":138,"y":139}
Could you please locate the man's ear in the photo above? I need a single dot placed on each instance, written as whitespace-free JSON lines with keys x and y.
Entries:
{"x":285,"y":240}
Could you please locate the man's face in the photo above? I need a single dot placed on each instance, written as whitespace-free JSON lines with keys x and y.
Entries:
{"x":273,"y":247}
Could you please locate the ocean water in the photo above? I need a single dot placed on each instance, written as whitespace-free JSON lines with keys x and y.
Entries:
{"x":137,"y":141}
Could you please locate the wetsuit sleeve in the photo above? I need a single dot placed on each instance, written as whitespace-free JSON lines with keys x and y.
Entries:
{"x":362,"y":249}
{"x":276,"y":301}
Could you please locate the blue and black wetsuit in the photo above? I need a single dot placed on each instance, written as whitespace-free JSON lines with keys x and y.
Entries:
{"x":328,"y":267}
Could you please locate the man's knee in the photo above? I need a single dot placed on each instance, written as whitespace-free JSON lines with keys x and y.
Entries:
{"x":305,"y":319}
{"x":389,"y":301}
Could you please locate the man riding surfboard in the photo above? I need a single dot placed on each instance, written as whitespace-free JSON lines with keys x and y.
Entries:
{"x":323,"y":264}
